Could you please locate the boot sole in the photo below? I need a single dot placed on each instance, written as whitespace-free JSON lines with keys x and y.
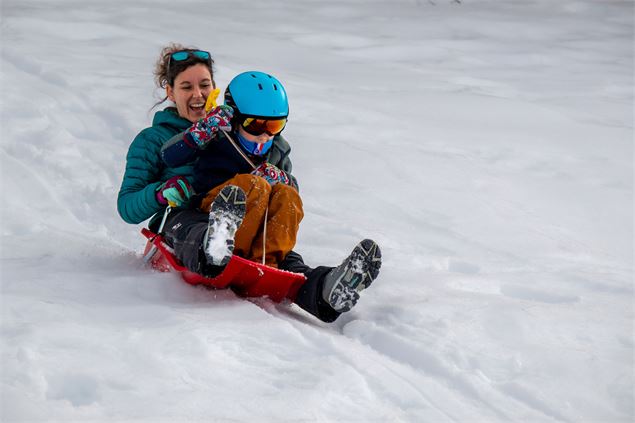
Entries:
{"x":226,"y":215}
{"x":357,"y":273}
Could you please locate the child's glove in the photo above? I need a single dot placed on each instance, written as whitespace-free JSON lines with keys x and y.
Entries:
{"x":206,"y":129}
{"x":175,"y":192}
{"x":273,"y":175}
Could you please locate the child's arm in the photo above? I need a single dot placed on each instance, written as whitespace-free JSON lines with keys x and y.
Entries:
{"x":183,"y":147}
{"x":176,"y":152}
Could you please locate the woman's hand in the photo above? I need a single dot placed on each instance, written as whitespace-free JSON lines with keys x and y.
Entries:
{"x":206,"y":129}
{"x":174,"y":192}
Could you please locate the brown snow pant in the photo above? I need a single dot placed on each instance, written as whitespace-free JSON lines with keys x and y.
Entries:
{"x":282,"y":218}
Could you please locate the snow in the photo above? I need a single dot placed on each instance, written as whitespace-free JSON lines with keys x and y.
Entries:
{"x":487,"y":146}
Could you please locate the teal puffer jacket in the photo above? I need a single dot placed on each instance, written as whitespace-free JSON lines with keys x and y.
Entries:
{"x":145,"y":170}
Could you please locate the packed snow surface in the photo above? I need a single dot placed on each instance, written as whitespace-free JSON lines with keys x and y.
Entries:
{"x":486,"y":145}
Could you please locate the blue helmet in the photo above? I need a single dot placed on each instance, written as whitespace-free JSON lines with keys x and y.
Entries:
{"x":257,"y":94}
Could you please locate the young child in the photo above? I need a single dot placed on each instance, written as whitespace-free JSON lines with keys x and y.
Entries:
{"x":242,"y":178}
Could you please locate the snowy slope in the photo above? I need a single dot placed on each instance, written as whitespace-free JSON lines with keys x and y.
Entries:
{"x":487,"y":146}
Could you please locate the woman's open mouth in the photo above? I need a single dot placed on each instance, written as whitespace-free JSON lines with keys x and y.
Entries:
{"x":197,"y":107}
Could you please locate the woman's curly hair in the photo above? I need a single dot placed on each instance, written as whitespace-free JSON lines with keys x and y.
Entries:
{"x":166,"y":70}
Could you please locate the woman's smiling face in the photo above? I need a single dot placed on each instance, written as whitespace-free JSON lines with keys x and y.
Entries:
{"x":190,"y":91}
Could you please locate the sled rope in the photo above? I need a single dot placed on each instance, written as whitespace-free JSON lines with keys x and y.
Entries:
{"x":253,"y":166}
{"x":264,"y":235}
{"x":154,"y":248}
{"x":244,"y":156}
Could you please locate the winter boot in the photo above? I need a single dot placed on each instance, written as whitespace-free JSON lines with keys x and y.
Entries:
{"x":343,"y":284}
{"x":225,"y":216}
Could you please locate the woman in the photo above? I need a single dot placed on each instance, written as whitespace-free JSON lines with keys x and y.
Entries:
{"x":204,"y":242}
{"x":148,"y":185}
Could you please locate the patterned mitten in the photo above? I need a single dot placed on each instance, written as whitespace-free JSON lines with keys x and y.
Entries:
{"x":272,"y":174}
{"x":206,"y":129}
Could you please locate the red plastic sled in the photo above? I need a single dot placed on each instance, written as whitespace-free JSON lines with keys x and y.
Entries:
{"x":246,"y":278}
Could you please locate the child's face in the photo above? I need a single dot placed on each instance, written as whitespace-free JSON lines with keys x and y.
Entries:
{"x":190,"y":91}
{"x":260,"y":139}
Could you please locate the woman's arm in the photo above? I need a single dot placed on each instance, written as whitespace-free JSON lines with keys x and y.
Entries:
{"x":137,"y":200}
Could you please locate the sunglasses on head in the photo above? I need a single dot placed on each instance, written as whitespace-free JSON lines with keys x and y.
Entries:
{"x":255,"y":126}
{"x":183,"y":55}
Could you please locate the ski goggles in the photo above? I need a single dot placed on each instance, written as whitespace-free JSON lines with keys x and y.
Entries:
{"x":255,"y":126}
